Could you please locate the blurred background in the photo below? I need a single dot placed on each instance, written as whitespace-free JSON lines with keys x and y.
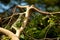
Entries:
{"x":45,"y":5}
{"x":40,"y":26}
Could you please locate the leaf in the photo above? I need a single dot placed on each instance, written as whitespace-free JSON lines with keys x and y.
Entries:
{"x":22,"y":36}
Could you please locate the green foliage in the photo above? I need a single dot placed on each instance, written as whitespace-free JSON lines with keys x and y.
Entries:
{"x":4,"y":37}
{"x":39,"y":25}
{"x":32,"y":1}
{"x":51,"y":2}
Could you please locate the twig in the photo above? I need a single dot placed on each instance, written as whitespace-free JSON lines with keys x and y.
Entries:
{"x":19,"y":19}
{"x":24,"y":22}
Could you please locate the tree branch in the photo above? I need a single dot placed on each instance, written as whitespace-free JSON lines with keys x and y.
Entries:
{"x":27,"y":14}
{"x":9,"y":33}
